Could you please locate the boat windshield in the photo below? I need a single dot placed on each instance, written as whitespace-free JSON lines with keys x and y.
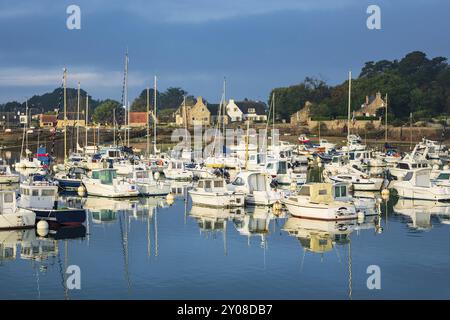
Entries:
{"x":444,"y":176}
{"x":238,"y":182}
{"x":282,"y":167}
{"x":142,"y":175}
{"x":340,"y":191}
{"x":408,"y":176}
{"x":105,"y":176}
{"x":218,"y":184}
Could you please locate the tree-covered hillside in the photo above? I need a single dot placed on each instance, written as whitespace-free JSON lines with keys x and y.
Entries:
{"x":414,"y":84}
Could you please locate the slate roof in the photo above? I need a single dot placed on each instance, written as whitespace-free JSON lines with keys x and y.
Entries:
{"x":260,"y":107}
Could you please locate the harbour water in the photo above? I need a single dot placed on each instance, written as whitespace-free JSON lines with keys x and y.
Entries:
{"x":147,"y":249}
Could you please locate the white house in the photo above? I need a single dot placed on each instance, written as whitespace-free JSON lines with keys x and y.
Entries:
{"x":234,"y":112}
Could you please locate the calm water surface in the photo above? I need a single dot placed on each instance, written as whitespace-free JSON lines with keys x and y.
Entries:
{"x":147,"y":249}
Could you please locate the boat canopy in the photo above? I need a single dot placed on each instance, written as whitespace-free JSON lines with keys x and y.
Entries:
{"x":321,"y":193}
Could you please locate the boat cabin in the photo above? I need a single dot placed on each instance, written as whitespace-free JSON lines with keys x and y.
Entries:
{"x":406,"y":165}
{"x":211,"y":185}
{"x":38,"y":193}
{"x":105,"y":176}
{"x":324,"y":192}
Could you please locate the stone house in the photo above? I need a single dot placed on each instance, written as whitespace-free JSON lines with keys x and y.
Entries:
{"x":370,"y":107}
{"x":197,"y":114}
{"x":301,"y":117}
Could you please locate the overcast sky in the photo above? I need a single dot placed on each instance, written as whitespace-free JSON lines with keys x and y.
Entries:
{"x":256,"y":44}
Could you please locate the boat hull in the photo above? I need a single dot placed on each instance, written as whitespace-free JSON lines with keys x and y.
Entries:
{"x":9,"y":179}
{"x":21,"y":219}
{"x":68,"y":217}
{"x":69,"y":184}
{"x":418,"y":193}
{"x":321,"y":212}
{"x":217,"y":200}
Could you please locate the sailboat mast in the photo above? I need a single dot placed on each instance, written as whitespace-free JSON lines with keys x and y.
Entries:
{"x":65,"y":115}
{"x":86,"y":123}
{"x":126,"y":98}
{"x":148,"y":121}
{"x":78,"y":115}
{"x":154,"y":116}
{"x":386,"y":121}
{"x":349,"y":108}
{"x":185,"y":120}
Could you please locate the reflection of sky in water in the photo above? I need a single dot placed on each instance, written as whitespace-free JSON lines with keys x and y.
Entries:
{"x":133,"y":250}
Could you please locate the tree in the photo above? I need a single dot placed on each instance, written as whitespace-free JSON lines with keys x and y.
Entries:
{"x":104,"y":113}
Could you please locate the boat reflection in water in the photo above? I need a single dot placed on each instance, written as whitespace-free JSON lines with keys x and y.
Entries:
{"x":106,"y":210}
{"x":421,"y":212}
{"x":254,"y":223}
{"x":214,"y":221}
{"x":319,"y":236}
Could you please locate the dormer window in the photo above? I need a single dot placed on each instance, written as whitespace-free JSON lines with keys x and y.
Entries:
{"x":251,"y":110}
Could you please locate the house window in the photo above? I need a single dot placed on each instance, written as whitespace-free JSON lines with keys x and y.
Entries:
{"x":235,"y":109}
{"x":251,"y":110}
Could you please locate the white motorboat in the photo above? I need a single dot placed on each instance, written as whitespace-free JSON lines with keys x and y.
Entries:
{"x":359,"y":182}
{"x":105,"y":183}
{"x":327,"y":146}
{"x":6,"y":176}
{"x":442,"y":179}
{"x":11,"y":216}
{"x":279,"y":170}
{"x":123,"y":167}
{"x":176,"y":171}
{"x":256,"y":187}
{"x":28,"y":163}
{"x":201,"y":172}
{"x":416,"y":184}
{"x":354,"y":144}
{"x":213,"y":193}
{"x":146,"y":184}
{"x":322,"y":201}
{"x":418,"y":158}
{"x":39,"y":194}
{"x":366,"y":158}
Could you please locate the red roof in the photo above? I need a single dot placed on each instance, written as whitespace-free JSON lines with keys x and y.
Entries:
{"x":138,"y":117}
{"x":48,"y":118}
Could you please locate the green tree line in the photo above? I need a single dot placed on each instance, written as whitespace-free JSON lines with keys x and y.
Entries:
{"x":415,"y":84}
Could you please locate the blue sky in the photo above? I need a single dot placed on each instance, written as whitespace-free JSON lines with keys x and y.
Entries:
{"x":256,"y":44}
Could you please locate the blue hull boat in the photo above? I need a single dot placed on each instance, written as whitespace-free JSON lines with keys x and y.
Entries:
{"x":65,"y":216}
